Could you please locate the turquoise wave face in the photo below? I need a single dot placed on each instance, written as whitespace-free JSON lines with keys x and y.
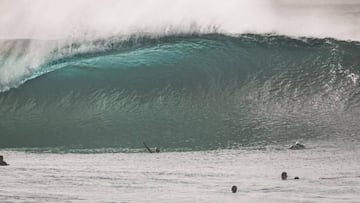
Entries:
{"x":195,"y":92}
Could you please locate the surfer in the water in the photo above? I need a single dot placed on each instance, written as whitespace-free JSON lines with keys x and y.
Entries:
{"x":2,"y":162}
{"x":234,"y":189}
{"x":284,"y":176}
{"x":156,"y":150}
{"x":297,"y":145}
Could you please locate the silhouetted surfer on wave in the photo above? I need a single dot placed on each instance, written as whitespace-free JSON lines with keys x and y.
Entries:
{"x":156,"y":150}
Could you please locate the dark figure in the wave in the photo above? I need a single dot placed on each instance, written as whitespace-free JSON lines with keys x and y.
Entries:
{"x":2,"y":162}
{"x":234,"y":189}
{"x":156,"y":150}
{"x":296,"y":146}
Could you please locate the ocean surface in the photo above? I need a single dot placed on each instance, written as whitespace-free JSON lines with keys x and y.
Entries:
{"x":223,"y":103}
{"x":327,"y":172}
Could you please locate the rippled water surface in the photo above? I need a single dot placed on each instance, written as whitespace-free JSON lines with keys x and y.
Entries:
{"x":327,"y":173}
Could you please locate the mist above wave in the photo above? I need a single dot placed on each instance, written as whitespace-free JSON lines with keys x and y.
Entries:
{"x":90,"y":18}
{"x":84,"y":21}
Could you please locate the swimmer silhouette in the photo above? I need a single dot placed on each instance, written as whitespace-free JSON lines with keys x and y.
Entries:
{"x":157,"y":150}
{"x":297,"y":146}
{"x":234,"y":189}
{"x":2,"y":162}
{"x":284,"y":176}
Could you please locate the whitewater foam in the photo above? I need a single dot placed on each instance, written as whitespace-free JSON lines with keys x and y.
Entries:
{"x":89,"y":19}
{"x":82,"y":22}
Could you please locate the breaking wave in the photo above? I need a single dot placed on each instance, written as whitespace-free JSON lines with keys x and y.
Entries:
{"x":195,"y":91}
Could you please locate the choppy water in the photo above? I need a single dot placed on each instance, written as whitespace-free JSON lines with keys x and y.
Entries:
{"x":203,"y":176}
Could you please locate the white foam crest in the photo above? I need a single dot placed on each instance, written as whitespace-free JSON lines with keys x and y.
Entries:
{"x":19,"y":59}
{"x":73,"y":18}
{"x":92,"y":19}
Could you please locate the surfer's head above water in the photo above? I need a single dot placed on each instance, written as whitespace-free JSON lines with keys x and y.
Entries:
{"x":157,"y":150}
{"x":234,"y":189}
{"x":284,"y":175}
